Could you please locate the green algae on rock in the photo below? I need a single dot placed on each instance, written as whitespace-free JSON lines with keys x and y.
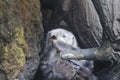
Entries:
{"x":20,"y":31}
{"x":13,"y":60}
{"x":13,"y":56}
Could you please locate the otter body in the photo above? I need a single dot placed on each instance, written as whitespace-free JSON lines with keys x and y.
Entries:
{"x":53,"y":67}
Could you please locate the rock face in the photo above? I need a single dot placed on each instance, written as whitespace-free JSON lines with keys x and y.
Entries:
{"x":82,"y":19}
{"x":20,"y":31}
{"x":109,"y":13}
{"x":86,"y":23}
{"x":86,"y":19}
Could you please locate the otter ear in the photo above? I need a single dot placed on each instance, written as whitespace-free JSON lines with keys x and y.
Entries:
{"x":48,"y":36}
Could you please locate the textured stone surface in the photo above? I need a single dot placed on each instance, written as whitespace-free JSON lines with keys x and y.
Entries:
{"x":109,"y":13}
{"x":85,"y":21}
{"x":81,"y":18}
{"x":20,"y":31}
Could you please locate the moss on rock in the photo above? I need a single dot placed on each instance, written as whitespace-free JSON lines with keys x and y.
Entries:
{"x":20,"y":38}
{"x":13,"y":60}
{"x":20,"y":29}
{"x":13,"y":56}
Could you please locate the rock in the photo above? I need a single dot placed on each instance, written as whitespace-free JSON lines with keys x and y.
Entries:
{"x":20,"y":33}
{"x":85,"y":23}
{"x":109,"y":13}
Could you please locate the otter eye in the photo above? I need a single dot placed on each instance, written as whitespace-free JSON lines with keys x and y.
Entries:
{"x":53,"y":37}
{"x":64,"y":36}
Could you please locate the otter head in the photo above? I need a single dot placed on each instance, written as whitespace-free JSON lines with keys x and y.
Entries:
{"x":62,"y":35}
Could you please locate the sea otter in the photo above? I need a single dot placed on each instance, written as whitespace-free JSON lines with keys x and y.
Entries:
{"x":53,"y":67}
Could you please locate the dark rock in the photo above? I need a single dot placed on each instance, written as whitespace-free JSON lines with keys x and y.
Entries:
{"x":81,"y":18}
{"x":109,"y":13}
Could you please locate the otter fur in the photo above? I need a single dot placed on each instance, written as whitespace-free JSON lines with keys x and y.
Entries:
{"x":53,"y":67}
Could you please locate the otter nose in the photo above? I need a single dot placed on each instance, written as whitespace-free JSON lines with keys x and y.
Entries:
{"x":53,"y":37}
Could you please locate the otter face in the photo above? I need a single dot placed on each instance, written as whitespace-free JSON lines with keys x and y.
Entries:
{"x":63,"y":36}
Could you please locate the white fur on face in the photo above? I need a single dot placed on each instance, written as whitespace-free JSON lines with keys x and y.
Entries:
{"x":64,"y":36}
